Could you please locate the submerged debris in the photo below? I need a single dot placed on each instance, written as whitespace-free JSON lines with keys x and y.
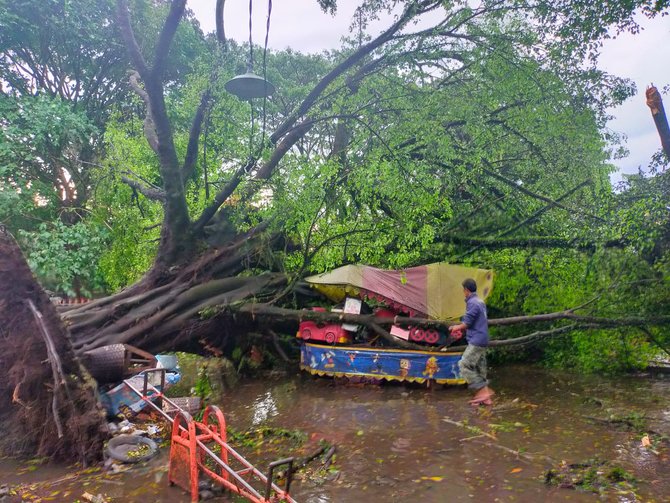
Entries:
{"x":595,"y":475}
{"x":630,"y":421}
{"x":94,"y":498}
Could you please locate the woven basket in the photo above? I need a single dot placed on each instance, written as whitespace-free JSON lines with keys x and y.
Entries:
{"x":106,"y":364}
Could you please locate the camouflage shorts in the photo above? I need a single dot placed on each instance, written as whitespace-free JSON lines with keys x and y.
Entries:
{"x":473,"y":366}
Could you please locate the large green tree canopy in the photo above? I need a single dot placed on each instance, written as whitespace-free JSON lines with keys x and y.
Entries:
{"x":456,"y":133}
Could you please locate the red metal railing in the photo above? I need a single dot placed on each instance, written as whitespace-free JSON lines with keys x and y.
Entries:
{"x":192,"y":453}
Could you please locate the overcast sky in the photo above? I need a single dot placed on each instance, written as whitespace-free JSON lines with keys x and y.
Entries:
{"x":300,"y":24}
{"x":643,"y":58}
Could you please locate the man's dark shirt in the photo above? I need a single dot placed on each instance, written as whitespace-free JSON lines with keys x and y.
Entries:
{"x":475,"y":318}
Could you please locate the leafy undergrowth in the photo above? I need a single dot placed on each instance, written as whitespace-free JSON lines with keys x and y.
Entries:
{"x":267,"y":437}
{"x":314,"y":457}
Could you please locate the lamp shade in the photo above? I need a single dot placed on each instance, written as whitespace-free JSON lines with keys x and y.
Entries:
{"x":248,"y":86}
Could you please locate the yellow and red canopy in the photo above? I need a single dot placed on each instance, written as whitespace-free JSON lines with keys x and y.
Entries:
{"x":432,"y":290}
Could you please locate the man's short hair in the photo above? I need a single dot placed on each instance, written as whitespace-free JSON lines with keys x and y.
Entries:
{"x":470,"y":285}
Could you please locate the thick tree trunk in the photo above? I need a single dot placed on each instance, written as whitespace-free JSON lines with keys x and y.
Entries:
{"x":175,"y":308}
{"x":47,"y":401}
{"x":214,"y":302}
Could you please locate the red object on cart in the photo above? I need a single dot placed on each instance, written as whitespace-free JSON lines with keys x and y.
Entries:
{"x":414,"y":334}
{"x":427,"y":335}
{"x":332,"y":333}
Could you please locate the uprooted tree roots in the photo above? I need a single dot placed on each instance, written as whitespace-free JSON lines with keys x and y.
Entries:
{"x":174,"y":309}
{"x":47,"y":401}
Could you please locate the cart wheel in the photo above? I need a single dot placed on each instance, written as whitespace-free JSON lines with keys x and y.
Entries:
{"x":330,"y":337}
{"x":306,"y":334}
{"x":432,"y":336}
{"x":418,"y":335}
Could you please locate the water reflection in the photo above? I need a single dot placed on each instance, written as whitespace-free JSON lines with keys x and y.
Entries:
{"x":263,"y":408}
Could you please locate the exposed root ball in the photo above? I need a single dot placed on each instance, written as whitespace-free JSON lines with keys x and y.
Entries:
{"x":47,"y":403}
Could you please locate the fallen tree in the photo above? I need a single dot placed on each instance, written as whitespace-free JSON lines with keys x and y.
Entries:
{"x":172,"y":306}
{"x":178,"y":313}
{"x":48,"y":405}
{"x":198,"y":294}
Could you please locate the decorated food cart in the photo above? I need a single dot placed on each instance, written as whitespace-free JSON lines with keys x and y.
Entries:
{"x":430,"y":291}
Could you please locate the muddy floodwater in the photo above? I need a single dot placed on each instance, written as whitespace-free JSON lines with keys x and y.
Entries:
{"x":396,"y":443}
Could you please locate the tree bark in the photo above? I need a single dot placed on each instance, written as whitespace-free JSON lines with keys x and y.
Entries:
{"x":655,"y":104}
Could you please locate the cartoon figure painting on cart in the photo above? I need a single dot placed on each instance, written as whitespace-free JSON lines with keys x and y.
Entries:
{"x":405,"y":365}
{"x":376,"y":367}
{"x":431,"y":367}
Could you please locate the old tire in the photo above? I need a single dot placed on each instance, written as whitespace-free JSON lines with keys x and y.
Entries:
{"x":122,"y":447}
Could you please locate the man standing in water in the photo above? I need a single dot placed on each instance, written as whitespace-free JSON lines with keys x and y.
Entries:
{"x":473,"y":362}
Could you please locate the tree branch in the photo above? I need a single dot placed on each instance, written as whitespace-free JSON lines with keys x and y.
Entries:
{"x":593,"y":320}
{"x":376,"y":322}
{"x":363,"y":51}
{"x":194,"y":137}
{"x":167,"y":35}
{"x":149,"y":126}
{"x":129,"y":38}
{"x":155,"y":194}
{"x":540,"y":334}
{"x":176,"y":220}
{"x":531,"y":218}
{"x":265,"y":171}
{"x":56,"y":367}
{"x":220,"y":33}
{"x":221,"y":196}
{"x":530,"y":193}
{"x":534,"y":242}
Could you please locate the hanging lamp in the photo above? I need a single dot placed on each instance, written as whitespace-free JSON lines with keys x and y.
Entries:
{"x":248,"y":86}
